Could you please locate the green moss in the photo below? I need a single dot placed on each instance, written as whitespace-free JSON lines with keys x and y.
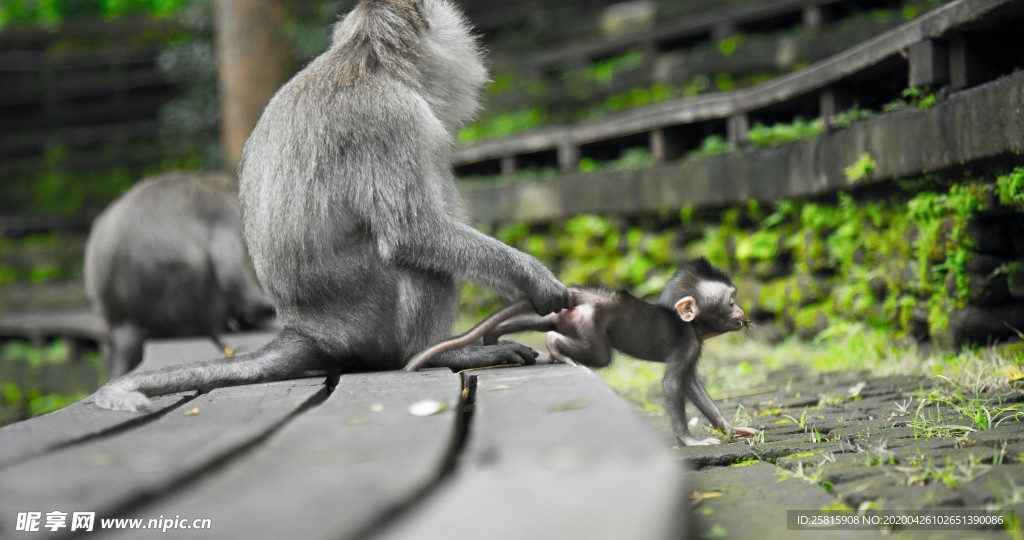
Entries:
{"x":804,"y":455}
{"x":746,"y":462}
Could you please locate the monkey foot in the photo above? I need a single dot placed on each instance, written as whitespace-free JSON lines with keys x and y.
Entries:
{"x":562,"y":360}
{"x":121,"y":400}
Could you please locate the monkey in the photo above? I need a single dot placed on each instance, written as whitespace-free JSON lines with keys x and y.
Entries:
{"x":167,"y":259}
{"x":697,"y":304}
{"x":353,"y":220}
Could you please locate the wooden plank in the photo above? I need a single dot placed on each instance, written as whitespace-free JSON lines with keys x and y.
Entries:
{"x":110,"y":474}
{"x":70,"y":323}
{"x":83,"y":420}
{"x":161,"y":353}
{"x":723,"y":105}
{"x":554,"y":453}
{"x":335,"y":471}
{"x":691,"y":26}
{"x":247,"y":342}
{"x":78,"y":421}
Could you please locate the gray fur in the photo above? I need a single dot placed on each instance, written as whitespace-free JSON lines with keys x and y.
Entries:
{"x":351,"y":212}
{"x":167,"y":259}
{"x":601,"y":322}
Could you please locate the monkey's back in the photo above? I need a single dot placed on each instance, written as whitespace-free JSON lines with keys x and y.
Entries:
{"x":148,"y":257}
{"x":314,"y":170}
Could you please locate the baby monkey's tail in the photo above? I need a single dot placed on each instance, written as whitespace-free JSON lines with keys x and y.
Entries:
{"x":477,"y":332}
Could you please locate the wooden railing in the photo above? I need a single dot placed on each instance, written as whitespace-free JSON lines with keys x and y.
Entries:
{"x":949,"y":46}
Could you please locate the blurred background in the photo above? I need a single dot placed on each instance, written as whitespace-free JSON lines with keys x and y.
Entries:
{"x":869,"y":206}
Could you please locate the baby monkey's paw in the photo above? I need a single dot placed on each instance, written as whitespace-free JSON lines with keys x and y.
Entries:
{"x":745,"y":431}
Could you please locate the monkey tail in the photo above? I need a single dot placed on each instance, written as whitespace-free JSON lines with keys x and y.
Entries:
{"x":482,"y":328}
{"x":288,"y":356}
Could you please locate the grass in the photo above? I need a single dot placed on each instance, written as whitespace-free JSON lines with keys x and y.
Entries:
{"x":733,"y":363}
{"x":967,"y":409}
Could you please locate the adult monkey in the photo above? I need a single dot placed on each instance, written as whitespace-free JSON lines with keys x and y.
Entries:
{"x":167,"y":259}
{"x":353,"y":220}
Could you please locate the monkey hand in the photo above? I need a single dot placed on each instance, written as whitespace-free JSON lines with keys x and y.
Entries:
{"x":744,"y":431}
{"x":549,"y":295}
{"x":115,"y":398}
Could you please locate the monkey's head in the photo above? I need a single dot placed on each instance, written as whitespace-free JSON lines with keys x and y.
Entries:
{"x":427,"y":42}
{"x":704,"y":296}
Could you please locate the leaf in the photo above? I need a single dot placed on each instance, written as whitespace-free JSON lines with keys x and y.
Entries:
{"x":427,"y":407}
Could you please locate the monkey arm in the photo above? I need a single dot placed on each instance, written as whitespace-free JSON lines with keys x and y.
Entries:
{"x":457,"y":249}
{"x":676,"y":372}
{"x":412,"y":209}
{"x":699,"y":396}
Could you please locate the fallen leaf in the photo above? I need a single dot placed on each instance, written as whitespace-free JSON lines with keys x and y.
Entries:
{"x":427,"y":407}
{"x":192,"y":412}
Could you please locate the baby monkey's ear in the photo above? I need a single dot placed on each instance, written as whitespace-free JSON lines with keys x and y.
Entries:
{"x":687,"y":308}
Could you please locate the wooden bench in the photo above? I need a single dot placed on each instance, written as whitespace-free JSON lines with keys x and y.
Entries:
{"x":546,"y":451}
{"x":936,"y":49}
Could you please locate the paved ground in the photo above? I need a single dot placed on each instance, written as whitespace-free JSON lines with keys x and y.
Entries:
{"x":849,"y":439}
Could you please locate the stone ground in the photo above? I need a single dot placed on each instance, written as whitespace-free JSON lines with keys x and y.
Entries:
{"x":850,"y":439}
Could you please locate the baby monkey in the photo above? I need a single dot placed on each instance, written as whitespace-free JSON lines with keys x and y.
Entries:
{"x":698,"y":303}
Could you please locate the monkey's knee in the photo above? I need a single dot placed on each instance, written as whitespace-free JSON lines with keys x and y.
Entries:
{"x":556,"y":349}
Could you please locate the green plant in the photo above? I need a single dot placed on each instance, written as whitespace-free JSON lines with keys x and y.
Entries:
{"x":711,"y":146}
{"x":51,"y":13}
{"x":848,"y":117}
{"x":921,"y":98}
{"x":778,"y":134}
{"x":729,"y":45}
{"x":860,"y":169}
{"x":502,"y":124}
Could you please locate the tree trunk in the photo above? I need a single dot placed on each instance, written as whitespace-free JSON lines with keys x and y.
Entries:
{"x":253,"y":62}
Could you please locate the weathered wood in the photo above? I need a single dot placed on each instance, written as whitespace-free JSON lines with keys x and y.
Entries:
{"x":665,"y":145}
{"x":814,"y":17}
{"x":689,"y":27}
{"x":83,"y":420}
{"x":337,"y":470}
{"x":929,"y":64}
{"x":554,"y":453}
{"x":568,"y":157}
{"x":963,"y":62}
{"x":76,"y":422}
{"x":77,"y":324}
{"x":162,"y":353}
{"x":253,"y":60}
{"x":831,"y":101}
{"x":248,"y":342}
{"x":953,"y":132}
{"x":738,"y":129}
{"x":110,"y":474}
{"x":886,"y":47}
{"x":508,"y":165}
